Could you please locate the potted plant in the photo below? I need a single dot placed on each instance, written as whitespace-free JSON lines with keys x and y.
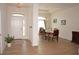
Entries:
{"x":9,"y":39}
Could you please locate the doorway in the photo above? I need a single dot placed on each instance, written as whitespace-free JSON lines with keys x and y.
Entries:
{"x":41,"y":22}
{"x":17,"y":26}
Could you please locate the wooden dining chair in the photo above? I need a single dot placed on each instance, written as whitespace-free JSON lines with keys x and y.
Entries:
{"x":54,"y":35}
{"x":51,"y":35}
{"x":46,"y":35}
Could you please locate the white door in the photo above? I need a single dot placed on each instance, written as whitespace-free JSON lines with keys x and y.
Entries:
{"x":17,"y":27}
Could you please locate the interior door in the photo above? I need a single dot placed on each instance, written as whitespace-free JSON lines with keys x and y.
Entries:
{"x":17,"y":27}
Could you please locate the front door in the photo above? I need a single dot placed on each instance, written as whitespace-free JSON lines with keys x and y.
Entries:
{"x":17,"y":27}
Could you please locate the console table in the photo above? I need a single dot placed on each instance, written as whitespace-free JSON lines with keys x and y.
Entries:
{"x":75,"y":37}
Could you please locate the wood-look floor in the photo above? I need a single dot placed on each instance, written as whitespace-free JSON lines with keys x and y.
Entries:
{"x":24,"y":47}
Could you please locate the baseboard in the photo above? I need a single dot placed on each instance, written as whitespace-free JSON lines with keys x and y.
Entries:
{"x":21,"y":39}
{"x":65,"y":39}
{"x":34,"y":44}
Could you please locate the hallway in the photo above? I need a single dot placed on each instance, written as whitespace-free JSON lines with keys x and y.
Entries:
{"x":24,"y":47}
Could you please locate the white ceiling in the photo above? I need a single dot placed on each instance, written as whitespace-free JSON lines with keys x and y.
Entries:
{"x":54,"y":7}
{"x":49,"y":7}
{"x":23,"y":4}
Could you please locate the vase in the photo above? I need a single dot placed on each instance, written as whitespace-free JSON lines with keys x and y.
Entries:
{"x":9,"y":44}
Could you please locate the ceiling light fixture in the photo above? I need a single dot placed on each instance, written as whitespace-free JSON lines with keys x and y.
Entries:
{"x":19,"y":5}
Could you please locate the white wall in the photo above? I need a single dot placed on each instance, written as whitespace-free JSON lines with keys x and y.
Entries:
{"x":30,"y":20}
{"x":3,"y":26}
{"x":71,"y":16}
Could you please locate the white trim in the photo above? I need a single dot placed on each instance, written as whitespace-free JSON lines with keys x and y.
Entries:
{"x":41,"y":18}
{"x":16,"y":14}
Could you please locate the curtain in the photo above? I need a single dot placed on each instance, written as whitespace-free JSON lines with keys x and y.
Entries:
{"x":45,"y":24}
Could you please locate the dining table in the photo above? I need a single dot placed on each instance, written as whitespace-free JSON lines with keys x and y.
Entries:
{"x":49,"y":34}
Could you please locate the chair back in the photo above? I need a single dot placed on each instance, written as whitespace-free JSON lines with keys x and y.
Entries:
{"x":56,"y":32}
{"x":42,"y":31}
